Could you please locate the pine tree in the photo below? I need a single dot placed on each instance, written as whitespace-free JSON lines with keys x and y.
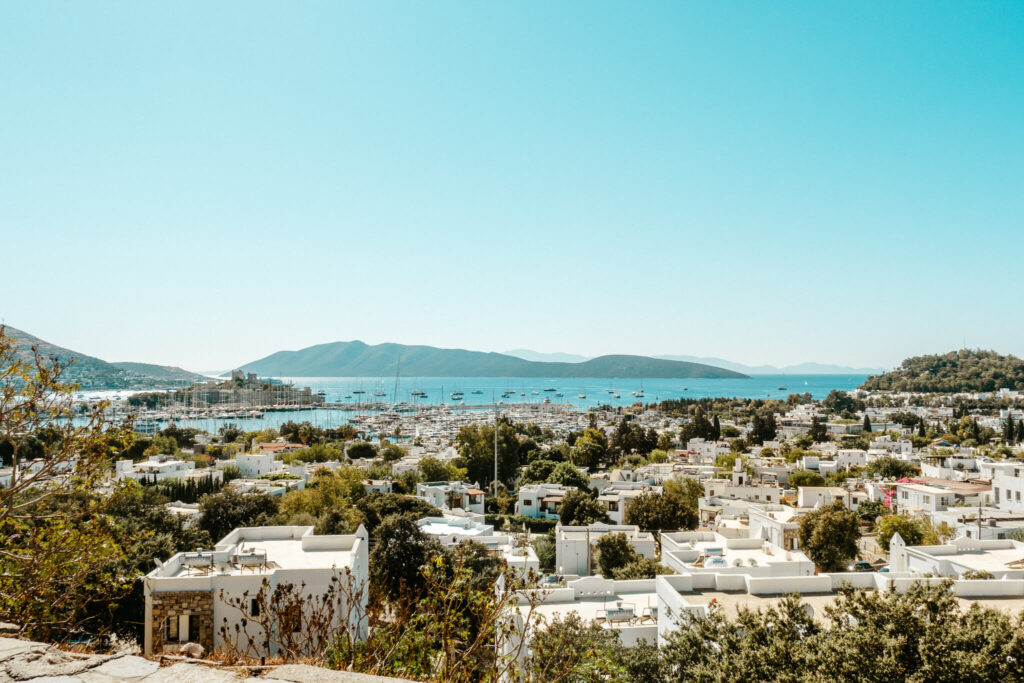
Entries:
{"x":818,"y":430}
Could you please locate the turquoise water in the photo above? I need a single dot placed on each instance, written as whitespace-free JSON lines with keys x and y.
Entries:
{"x":438,"y":390}
{"x":596,"y":390}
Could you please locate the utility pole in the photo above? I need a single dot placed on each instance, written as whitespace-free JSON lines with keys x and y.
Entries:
{"x":495,"y":446}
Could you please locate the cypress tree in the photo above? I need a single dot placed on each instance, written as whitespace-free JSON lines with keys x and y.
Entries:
{"x":1009,"y":429}
{"x":867,"y":423}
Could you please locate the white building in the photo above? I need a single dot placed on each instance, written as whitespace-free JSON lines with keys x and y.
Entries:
{"x":451,"y":495}
{"x":574,"y":545}
{"x":846,"y":458}
{"x":617,"y":498}
{"x":937,"y":495}
{"x":277,"y":487}
{"x":1008,"y":485}
{"x":254,"y":465}
{"x":777,"y":524}
{"x":451,"y":531}
{"x":161,"y":468}
{"x":540,"y":501}
{"x":958,"y":467}
{"x":189,"y":598}
{"x":1003,"y":559}
{"x":742,"y":487}
{"x":820,"y":496}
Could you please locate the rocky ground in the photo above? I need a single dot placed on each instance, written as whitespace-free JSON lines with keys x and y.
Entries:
{"x":23,"y":660}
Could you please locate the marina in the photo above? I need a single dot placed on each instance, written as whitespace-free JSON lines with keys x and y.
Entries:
{"x":337,"y":401}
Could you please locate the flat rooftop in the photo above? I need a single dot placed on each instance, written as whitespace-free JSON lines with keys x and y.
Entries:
{"x":444,"y":529}
{"x":992,"y":560}
{"x":262,"y":550}
{"x":591,"y":608}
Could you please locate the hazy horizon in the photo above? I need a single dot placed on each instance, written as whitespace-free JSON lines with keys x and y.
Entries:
{"x":202,"y":185}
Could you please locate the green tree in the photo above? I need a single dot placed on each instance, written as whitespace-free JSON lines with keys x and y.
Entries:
{"x":657,"y":456}
{"x":391,"y":452}
{"x":800,"y":478}
{"x":545,"y":549}
{"x":641,"y":568}
{"x":571,"y":650}
{"x":921,"y":635}
{"x":579,"y":509}
{"x":912,"y":530}
{"x":401,"y":549}
{"x":829,"y":536}
{"x":870,"y":510}
{"x":361,"y":449}
{"x":475,"y":444}
{"x":567,"y":475}
{"x":763,"y":427}
{"x":867,"y":423}
{"x":376,"y":507}
{"x":433,"y":469}
{"x":818,"y":432}
{"x":841,"y":403}
{"x":56,"y":546}
{"x":891,"y":468}
{"x":661,"y":512}
{"x":537,"y":471}
{"x":614,"y":552}
{"x":689,"y":489}
{"x":591,"y":449}
{"x":225,"y":511}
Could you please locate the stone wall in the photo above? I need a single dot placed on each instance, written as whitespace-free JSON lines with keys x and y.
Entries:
{"x":197,"y":604}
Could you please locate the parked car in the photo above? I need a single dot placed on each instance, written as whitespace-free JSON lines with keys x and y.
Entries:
{"x":860,"y":566}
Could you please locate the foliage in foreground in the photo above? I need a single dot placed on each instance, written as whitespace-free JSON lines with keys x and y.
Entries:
{"x":924,"y":635}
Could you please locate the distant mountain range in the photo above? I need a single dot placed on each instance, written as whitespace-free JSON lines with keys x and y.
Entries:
{"x":92,"y":373}
{"x":801,"y":369}
{"x":537,"y":356}
{"x":357,"y":359}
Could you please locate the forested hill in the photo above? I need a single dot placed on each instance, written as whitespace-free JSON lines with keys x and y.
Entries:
{"x":357,"y":359}
{"x":953,"y":372}
{"x":169,"y":373}
{"x":92,"y":373}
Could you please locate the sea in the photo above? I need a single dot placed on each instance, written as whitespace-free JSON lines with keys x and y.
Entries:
{"x":581,"y":393}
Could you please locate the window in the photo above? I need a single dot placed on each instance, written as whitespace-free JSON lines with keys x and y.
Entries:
{"x":176,"y":629}
{"x":527,"y":502}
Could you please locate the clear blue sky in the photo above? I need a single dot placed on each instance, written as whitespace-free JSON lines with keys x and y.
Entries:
{"x":202,"y":184}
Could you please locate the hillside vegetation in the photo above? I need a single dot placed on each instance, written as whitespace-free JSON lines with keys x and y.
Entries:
{"x":93,"y":373}
{"x":956,"y":371}
{"x":357,"y":359}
